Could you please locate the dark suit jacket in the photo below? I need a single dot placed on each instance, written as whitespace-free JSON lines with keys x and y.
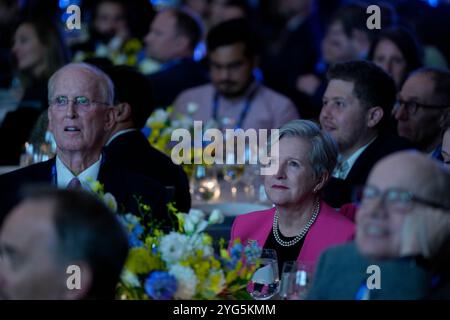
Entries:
{"x":123,"y":185}
{"x":342,"y":271}
{"x":132,"y":151}
{"x":168,"y":83}
{"x":338,"y":192}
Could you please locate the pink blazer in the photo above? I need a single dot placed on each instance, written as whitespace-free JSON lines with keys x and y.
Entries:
{"x":330,"y":228}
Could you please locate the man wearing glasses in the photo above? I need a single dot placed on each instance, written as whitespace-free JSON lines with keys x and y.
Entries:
{"x":81,"y":116}
{"x":422,"y":105}
{"x":403,"y":227}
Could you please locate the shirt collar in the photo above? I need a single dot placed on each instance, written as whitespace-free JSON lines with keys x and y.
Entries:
{"x":64,"y":175}
{"x":119,"y":133}
{"x":344,"y":166}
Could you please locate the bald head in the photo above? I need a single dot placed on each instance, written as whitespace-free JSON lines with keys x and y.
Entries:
{"x":416,"y":173}
{"x":103,"y":82}
{"x":400,"y":185}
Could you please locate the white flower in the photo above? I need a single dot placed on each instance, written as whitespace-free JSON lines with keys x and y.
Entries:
{"x":187,"y":281}
{"x":101,"y":50}
{"x":196,"y":215}
{"x":110,"y":201}
{"x":173,"y":247}
{"x":159,"y":116}
{"x":216,"y":217}
{"x":130,"y":279}
{"x":189,"y":226}
{"x":215,"y":281}
{"x":192,"y":107}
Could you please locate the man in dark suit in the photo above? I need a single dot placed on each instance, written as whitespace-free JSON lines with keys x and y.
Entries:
{"x":356,"y":108}
{"x":172,"y":38}
{"x":81,"y":115}
{"x":129,"y":148}
{"x":71,"y":247}
{"x":401,"y":249}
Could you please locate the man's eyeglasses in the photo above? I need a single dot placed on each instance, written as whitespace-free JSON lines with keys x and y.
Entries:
{"x":411,"y":107}
{"x":394,"y":199}
{"x":81,"y":102}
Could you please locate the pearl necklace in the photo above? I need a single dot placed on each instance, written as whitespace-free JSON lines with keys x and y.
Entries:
{"x":301,"y":234}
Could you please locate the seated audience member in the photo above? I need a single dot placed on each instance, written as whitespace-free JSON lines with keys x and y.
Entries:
{"x":235,"y":99}
{"x":110,"y":34}
{"x":356,"y":108}
{"x":38,"y":51}
{"x":397,"y":52}
{"x":224,"y":10}
{"x":172,"y":38}
{"x":81,"y":115}
{"x":423,"y":104}
{"x":300,"y":225}
{"x":403,"y":227}
{"x":51,"y":230}
{"x":293,"y":49}
{"x":129,"y":148}
{"x":346,"y":38}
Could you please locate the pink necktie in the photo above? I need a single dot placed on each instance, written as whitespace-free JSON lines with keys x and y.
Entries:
{"x":74,"y":184}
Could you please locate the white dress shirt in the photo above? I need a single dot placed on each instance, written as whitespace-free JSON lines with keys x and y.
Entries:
{"x":343,"y":167}
{"x":64,"y":175}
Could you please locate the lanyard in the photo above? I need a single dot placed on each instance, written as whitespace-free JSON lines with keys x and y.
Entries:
{"x":244,"y":111}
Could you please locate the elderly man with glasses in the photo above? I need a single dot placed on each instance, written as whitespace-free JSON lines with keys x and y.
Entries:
{"x":401,"y":250}
{"x":423,"y":103}
{"x":81,"y":117}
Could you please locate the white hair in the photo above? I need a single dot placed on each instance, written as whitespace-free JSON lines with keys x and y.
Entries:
{"x":104,"y":82}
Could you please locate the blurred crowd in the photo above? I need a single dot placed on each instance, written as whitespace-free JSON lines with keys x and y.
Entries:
{"x":363,"y":95}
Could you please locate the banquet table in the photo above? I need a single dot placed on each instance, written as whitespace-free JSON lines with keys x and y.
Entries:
{"x":246,"y":199}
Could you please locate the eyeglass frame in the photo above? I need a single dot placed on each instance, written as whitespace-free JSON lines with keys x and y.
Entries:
{"x":52,"y":102}
{"x":411,"y":107}
{"x":410,"y":197}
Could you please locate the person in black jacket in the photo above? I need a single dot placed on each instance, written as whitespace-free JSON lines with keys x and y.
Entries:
{"x":356,"y":108}
{"x":81,"y":115}
{"x":171,"y":41}
{"x":129,"y":148}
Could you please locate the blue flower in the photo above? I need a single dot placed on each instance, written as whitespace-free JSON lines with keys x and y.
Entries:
{"x":161,"y":285}
{"x":253,"y":252}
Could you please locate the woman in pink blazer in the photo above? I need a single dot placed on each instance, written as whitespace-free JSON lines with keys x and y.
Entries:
{"x":300,"y":226}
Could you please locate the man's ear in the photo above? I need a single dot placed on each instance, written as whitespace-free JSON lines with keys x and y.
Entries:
{"x":181,"y":43}
{"x":123,"y":112}
{"x":110,"y":118}
{"x":374,"y":116}
{"x":50,"y":120}
{"x":78,"y":281}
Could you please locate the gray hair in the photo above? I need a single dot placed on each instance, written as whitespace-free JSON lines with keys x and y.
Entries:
{"x":324,"y":150}
{"x":104,"y":82}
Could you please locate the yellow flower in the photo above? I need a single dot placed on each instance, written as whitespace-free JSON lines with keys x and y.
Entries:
{"x":140,"y":261}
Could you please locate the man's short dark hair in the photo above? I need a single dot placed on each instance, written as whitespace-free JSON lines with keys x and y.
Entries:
{"x":353,"y":16}
{"x":232,"y":32}
{"x":187,"y":26}
{"x":441,"y":80}
{"x":372,"y":85}
{"x":88,"y":231}
{"x":134,"y":88}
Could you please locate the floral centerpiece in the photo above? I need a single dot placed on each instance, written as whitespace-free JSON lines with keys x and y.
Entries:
{"x":182,"y":263}
{"x":163,"y":122}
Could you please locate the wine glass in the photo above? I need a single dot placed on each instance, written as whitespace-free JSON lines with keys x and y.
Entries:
{"x":303,"y":280}
{"x":205,"y":184}
{"x":265,"y":281}
{"x":232,"y":172}
{"x":288,"y":280}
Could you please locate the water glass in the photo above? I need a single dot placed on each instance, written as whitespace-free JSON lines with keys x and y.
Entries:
{"x":265,"y":281}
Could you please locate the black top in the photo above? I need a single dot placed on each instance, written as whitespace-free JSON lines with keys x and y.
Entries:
{"x":284,"y":253}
